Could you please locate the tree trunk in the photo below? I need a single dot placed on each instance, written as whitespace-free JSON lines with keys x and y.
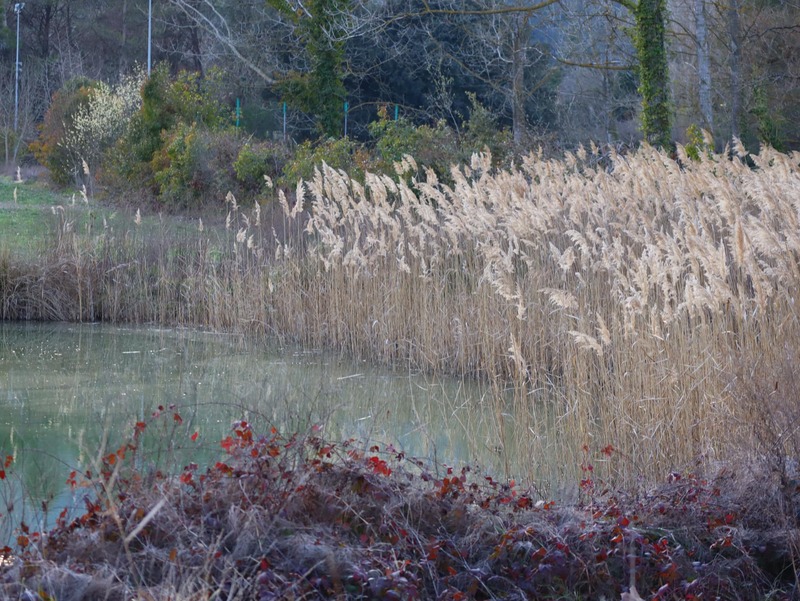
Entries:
{"x":735,"y":32}
{"x":518,"y":120}
{"x":45,"y":22}
{"x":123,"y":37}
{"x":653,"y":71}
{"x":194,"y":46}
{"x":703,"y":66}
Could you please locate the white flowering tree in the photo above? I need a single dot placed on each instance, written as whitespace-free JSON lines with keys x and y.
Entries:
{"x":100,"y":122}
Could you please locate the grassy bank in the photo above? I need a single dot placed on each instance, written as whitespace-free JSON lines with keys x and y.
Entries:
{"x":302,"y":518}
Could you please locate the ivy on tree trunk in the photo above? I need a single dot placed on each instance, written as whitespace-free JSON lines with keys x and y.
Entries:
{"x":650,"y":17}
{"x":321,"y":90}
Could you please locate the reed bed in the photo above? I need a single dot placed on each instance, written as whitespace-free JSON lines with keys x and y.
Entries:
{"x":631,"y":301}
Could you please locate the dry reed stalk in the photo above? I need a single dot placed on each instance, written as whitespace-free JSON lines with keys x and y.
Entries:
{"x":619,"y":293}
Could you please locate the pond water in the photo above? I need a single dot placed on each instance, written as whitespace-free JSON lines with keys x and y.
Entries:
{"x":67,"y":391}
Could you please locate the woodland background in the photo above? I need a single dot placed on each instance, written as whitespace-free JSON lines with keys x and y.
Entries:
{"x":549,"y":74}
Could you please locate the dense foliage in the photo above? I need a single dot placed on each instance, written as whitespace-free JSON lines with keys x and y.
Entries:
{"x":554,"y":74}
{"x":64,"y":165}
{"x":171,"y":139}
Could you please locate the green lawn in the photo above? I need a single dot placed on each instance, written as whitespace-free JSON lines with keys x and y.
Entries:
{"x":30,"y":220}
{"x":26,"y":219}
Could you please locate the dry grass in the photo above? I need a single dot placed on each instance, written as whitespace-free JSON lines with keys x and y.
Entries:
{"x":618,"y":295}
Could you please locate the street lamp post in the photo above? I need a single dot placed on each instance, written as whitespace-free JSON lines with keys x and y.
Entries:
{"x":149,"y":35}
{"x":17,"y":10}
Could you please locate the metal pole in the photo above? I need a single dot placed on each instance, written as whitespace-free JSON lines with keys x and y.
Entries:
{"x":149,"y":35}
{"x":17,"y":9}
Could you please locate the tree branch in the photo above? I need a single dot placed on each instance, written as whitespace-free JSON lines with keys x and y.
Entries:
{"x":599,"y":66}
{"x":224,"y":37}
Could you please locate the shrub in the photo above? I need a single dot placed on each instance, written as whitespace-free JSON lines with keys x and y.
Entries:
{"x":483,"y":132}
{"x":257,"y":160}
{"x":338,"y":154}
{"x":168,"y":105}
{"x":434,"y":147}
{"x":195,"y":164}
{"x":100,"y":122}
{"x":699,"y":143}
{"x":49,"y":149}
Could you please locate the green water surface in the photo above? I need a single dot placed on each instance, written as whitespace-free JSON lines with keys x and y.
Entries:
{"x":69,"y":393}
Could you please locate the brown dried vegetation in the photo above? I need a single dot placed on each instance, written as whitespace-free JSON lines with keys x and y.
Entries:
{"x":299,"y":518}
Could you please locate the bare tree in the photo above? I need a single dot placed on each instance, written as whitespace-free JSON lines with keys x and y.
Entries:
{"x":237,"y":29}
{"x":34,"y":96}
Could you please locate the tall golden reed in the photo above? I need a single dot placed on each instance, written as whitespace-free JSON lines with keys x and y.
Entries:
{"x":617,"y":295}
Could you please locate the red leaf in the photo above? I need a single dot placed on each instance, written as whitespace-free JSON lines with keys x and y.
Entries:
{"x":194,"y":436}
{"x":178,"y":419}
{"x":224,"y":468}
{"x":186,"y":478}
{"x":608,"y":450}
{"x":227,"y":444}
{"x":2,"y":474}
{"x":623,"y":522}
{"x":379,"y":466}
{"x":23,"y":541}
{"x":140,"y":426}
{"x":9,"y":460}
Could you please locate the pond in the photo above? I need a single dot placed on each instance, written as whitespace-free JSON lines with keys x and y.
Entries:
{"x":67,"y":392}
